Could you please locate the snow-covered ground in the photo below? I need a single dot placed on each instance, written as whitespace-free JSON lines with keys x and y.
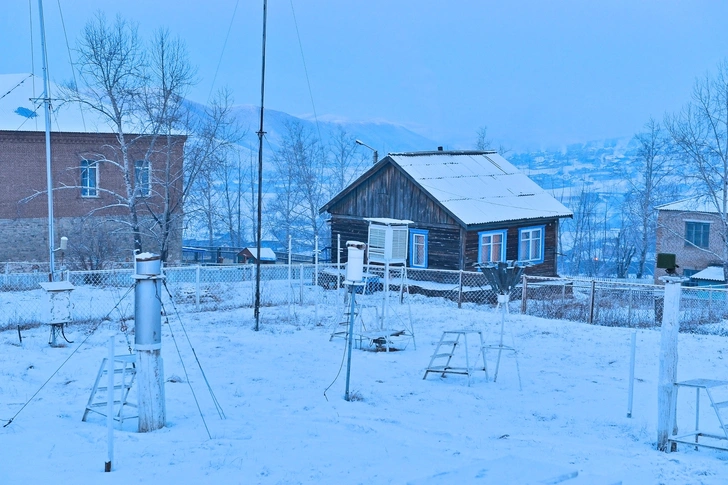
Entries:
{"x":281,"y":429}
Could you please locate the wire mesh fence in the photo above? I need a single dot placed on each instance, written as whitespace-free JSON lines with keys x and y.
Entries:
{"x":109,"y":293}
{"x":619,"y":303}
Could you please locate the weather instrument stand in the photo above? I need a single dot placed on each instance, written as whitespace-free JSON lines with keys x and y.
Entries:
{"x":445,"y":350}
{"x":503,"y":277}
{"x":717,"y":392}
{"x":124,"y":375}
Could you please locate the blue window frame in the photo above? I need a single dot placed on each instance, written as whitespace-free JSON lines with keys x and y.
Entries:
{"x":492,"y":246}
{"x":418,"y":248}
{"x":531,"y":244}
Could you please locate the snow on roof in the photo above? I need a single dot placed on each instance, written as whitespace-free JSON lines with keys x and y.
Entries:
{"x":711,"y":273}
{"x":700,"y":203}
{"x":21,"y":108}
{"x":479,"y":187}
{"x":388,"y":222}
{"x":266,"y":254}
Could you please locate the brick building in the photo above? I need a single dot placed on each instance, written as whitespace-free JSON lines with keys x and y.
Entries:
{"x":86,"y":181}
{"x":693,"y":231}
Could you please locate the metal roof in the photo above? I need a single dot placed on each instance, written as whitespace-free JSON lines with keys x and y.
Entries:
{"x":701,"y":203}
{"x":479,"y":187}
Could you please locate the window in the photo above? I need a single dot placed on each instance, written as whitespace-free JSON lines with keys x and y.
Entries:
{"x":89,"y":178}
{"x":491,"y":246}
{"x":142,"y":179}
{"x":530,"y":245}
{"x":418,"y":248}
{"x":696,"y":234}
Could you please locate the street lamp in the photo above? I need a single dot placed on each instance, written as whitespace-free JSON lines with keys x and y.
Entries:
{"x":376,"y":154}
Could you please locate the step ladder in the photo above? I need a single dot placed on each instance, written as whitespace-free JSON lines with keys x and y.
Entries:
{"x":445,"y":351}
{"x":717,"y":393}
{"x":124,"y":375}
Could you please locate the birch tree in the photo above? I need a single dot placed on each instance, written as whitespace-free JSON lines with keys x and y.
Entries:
{"x":699,"y":133}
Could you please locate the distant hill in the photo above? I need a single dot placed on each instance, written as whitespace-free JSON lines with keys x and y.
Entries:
{"x":382,"y":136}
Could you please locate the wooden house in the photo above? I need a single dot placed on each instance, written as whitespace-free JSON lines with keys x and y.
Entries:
{"x":468,"y":207}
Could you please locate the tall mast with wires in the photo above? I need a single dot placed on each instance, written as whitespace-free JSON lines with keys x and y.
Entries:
{"x":47,"y":113}
{"x":256,"y":310}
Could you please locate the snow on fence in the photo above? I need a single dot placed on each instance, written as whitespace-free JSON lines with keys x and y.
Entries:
{"x":207,"y":288}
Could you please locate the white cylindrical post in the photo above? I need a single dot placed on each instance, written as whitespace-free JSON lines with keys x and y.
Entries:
{"x":633,"y":346}
{"x":148,"y":342}
{"x":110,"y":406}
{"x":668,"y":360}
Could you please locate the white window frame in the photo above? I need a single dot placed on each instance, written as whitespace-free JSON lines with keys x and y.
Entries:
{"x":143,"y":189}
{"x":87,"y":189}
{"x":414,"y":234}
{"x":525,"y":235}
{"x":485,"y":235}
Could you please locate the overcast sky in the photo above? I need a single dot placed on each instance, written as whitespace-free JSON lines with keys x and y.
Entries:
{"x":537,"y":73}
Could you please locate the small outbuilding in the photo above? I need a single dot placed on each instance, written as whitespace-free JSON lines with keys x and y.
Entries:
{"x":466,"y":208}
{"x":248,"y":255}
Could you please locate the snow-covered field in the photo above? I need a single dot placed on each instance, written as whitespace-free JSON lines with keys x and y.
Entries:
{"x":281,"y":429}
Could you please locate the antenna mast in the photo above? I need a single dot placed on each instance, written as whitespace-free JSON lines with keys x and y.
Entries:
{"x":256,"y":310}
{"x":47,"y":112}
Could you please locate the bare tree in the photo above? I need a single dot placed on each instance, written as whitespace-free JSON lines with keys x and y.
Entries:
{"x":650,"y":185}
{"x":346,"y":159}
{"x":139,"y":92}
{"x":483,"y":143}
{"x":699,"y":133}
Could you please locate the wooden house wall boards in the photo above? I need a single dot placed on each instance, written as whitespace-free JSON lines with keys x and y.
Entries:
{"x":467,"y":206}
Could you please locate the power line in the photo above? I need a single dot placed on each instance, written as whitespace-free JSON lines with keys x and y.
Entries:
{"x":305,"y":70}
{"x":224,"y":45}
{"x":70,"y":60}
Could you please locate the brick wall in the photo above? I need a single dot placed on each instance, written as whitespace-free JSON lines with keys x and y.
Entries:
{"x":671,"y":239}
{"x":24,"y":204}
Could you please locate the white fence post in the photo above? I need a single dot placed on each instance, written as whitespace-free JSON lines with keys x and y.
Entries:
{"x":197,"y":287}
{"x":315,"y":277}
{"x":668,"y":360}
{"x":338,"y":261}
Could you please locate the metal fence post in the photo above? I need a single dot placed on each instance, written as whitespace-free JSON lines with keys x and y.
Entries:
{"x":460,"y":291}
{"x":300,"y":289}
{"x":524,"y":294}
{"x":592,"y":295}
{"x":338,"y":261}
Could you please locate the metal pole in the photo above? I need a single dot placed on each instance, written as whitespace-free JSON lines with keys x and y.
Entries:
{"x":110,"y":406}
{"x":47,"y":114}
{"x":633,"y":345}
{"x":256,"y":309}
{"x":350,"y":339}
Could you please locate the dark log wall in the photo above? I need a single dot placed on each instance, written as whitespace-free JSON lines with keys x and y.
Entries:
{"x":389,"y":193}
{"x":547,"y":268}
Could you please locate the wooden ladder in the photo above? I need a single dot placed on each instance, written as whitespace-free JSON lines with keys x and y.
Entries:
{"x":124,"y":375}
{"x":445,"y":351}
